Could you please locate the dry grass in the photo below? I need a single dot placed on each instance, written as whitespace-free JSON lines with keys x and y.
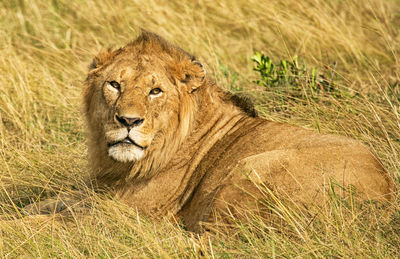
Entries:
{"x":47,"y":45}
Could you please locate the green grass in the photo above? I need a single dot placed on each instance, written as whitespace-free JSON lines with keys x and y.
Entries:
{"x":46,"y":46}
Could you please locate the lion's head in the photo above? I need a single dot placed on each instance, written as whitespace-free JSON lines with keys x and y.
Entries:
{"x":139,"y":101}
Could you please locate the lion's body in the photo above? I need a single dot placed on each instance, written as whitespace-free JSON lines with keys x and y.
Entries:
{"x":190,"y":148}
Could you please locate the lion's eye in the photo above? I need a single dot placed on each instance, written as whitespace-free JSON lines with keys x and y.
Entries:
{"x":115,"y":84}
{"x":155,"y":91}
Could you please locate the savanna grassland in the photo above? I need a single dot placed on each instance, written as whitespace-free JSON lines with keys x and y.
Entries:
{"x":350,"y":85}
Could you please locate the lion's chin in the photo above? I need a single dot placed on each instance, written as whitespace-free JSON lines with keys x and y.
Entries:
{"x":125,"y":153}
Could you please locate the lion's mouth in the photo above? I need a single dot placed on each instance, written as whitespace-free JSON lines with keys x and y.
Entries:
{"x":126,"y":141}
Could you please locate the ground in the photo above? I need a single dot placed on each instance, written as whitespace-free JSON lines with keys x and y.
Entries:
{"x":46,"y":47}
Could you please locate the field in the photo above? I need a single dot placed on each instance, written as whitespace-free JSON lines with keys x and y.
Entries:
{"x":352,"y":47}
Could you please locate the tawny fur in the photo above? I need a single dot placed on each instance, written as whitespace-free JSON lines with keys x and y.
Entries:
{"x":203,"y":147}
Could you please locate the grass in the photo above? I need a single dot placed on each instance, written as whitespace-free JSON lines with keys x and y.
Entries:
{"x":46,"y":46}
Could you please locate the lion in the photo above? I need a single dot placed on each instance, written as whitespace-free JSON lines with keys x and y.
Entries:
{"x":166,"y":140}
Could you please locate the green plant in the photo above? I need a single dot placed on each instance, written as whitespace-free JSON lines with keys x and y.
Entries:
{"x":293,"y":79}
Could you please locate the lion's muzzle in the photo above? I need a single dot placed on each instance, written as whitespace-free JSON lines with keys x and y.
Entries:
{"x":127,"y":145}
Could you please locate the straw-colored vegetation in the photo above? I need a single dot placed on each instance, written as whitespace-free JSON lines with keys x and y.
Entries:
{"x":46,"y":46}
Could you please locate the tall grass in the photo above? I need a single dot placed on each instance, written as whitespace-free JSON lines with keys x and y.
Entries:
{"x":46,"y":46}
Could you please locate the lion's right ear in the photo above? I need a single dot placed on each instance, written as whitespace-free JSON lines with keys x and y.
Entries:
{"x":189,"y":72}
{"x":101,"y":58}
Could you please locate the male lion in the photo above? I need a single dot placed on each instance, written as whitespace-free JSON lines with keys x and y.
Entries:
{"x":166,"y":140}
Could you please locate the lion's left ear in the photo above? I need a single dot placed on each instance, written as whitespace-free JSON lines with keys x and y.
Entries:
{"x":101,"y":58}
{"x":191,"y":73}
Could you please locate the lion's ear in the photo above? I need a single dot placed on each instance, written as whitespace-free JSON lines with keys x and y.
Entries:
{"x":101,"y":58}
{"x":191,"y":73}
{"x":197,"y":76}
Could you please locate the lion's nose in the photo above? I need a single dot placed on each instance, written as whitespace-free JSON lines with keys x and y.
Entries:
{"x":128,"y":121}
